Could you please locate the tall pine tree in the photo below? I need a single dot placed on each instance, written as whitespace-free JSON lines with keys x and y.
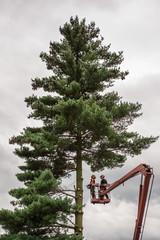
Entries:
{"x":82,"y":120}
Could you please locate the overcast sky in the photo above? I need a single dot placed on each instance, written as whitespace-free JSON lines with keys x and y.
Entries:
{"x":26,"y":28}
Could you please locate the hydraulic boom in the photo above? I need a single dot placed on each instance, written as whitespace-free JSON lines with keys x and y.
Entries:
{"x":145,"y":172}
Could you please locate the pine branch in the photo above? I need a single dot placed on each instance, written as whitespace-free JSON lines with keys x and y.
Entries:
{"x":86,"y":134}
{"x":89,"y":151}
{"x":64,"y":225}
{"x":67,"y":194}
{"x":70,"y":221}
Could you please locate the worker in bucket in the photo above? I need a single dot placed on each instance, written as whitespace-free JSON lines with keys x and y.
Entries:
{"x":91,"y":186}
{"x":103,"y":181}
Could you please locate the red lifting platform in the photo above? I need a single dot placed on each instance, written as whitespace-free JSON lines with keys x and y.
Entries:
{"x":97,"y":200}
{"x":100,"y":189}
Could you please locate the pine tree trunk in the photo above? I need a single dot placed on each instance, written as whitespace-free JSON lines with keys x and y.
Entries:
{"x":79,"y":189}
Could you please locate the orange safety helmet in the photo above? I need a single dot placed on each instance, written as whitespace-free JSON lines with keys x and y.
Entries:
{"x":93,"y":176}
{"x":102,"y":176}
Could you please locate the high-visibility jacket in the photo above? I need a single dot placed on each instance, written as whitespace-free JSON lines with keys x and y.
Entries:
{"x":92,"y":181}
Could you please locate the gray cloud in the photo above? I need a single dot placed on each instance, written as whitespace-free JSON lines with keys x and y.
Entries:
{"x":26,"y":28}
{"x":100,"y":223}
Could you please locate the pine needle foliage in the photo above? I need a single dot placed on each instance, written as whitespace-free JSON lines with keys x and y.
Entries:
{"x":39,"y":212}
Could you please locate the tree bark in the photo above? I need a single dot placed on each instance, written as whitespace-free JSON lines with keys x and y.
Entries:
{"x":79,"y":188}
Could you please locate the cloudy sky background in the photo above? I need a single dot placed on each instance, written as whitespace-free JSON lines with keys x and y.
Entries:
{"x":26,"y":28}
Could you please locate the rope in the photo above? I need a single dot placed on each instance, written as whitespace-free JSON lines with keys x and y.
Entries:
{"x":144,"y":221}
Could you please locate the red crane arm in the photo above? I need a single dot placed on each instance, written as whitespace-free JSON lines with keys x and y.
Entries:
{"x":147,"y":172}
{"x":142,"y":168}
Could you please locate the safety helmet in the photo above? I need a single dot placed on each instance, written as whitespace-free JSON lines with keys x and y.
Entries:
{"x":93,"y":176}
{"x":102,"y":176}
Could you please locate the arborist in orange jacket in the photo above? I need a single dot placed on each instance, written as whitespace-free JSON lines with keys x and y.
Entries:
{"x":91,"y":185}
{"x":93,"y":177}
